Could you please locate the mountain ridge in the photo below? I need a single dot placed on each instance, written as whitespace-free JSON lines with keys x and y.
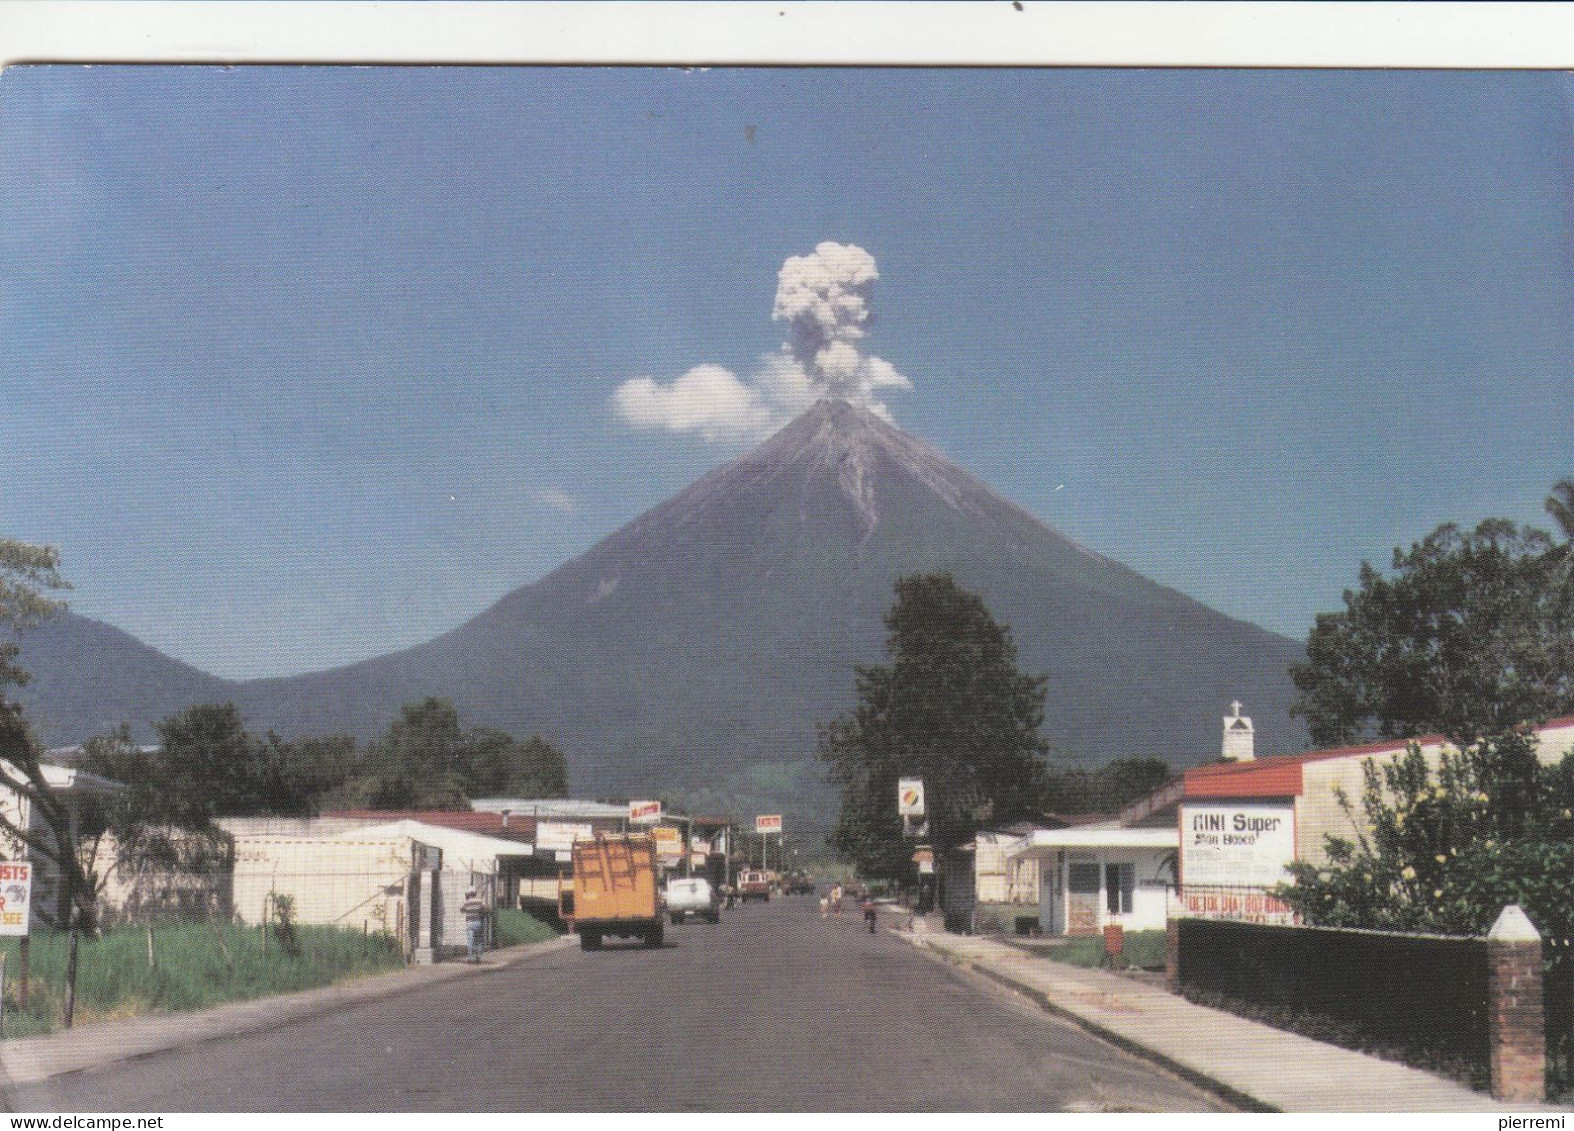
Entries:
{"x":716,"y":630}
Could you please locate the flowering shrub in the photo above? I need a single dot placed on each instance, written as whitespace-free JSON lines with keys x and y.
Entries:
{"x":1445,"y":851}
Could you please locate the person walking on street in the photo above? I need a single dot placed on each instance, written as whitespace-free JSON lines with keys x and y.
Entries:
{"x":867,"y":906}
{"x":836,"y":900}
{"x":474,"y":910}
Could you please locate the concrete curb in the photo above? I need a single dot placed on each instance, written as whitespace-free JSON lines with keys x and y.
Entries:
{"x":29,"y":1060}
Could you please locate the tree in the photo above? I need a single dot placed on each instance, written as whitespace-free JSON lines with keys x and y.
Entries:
{"x":1560,"y":505}
{"x":950,"y":708}
{"x":1107,"y":789}
{"x":207,"y":765}
{"x":427,"y":760}
{"x":26,"y":573}
{"x":1470,"y":637}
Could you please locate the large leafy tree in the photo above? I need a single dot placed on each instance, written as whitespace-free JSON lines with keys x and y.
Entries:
{"x":1470,"y":636}
{"x":428,"y":760}
{"x":951,"y":708}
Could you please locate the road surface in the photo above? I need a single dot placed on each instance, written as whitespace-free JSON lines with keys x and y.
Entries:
{"x":772,"y":1010}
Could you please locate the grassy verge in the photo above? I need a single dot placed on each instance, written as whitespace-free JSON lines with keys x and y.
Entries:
{"x":1142,"y":948}
{"x":195,"y":966}
{"x":512,"y":927}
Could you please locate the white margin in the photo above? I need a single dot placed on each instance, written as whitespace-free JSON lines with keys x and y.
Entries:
{"x":749,"y":32}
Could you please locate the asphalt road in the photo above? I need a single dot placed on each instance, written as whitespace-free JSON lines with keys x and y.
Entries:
{"x":772,"y":1010}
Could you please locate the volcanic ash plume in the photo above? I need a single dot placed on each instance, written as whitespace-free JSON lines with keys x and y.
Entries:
{"x":824,"y":298}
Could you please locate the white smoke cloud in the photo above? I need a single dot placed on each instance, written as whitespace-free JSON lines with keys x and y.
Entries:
{"x":824,"y":297}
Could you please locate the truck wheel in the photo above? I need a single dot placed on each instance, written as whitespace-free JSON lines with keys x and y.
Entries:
{"x":714,"y":917}
{"x":653,"y":936}
{"x":590,"y":940}
{"x":676,"y":919}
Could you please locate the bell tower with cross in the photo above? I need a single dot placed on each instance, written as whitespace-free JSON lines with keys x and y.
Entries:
{"x":1238,"y":741}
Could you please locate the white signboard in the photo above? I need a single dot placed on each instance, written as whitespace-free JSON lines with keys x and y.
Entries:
{"x":1233,"y":845}
{"x":910,"y":797}
{"x":16,"y":896}
{"x":669,"y":845}
{"x":768,"y":823}
{"x":559,"y":836}
{"x":644,"y":812}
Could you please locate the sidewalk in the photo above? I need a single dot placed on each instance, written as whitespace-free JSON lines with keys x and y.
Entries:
{"x":1253,"y":1065}
{"x":27,"y":1060}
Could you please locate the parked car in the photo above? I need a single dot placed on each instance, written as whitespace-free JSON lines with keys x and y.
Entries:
{"x":693,"y":896}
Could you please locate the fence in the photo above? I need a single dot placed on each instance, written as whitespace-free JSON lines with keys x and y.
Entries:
{"x":1557,"y":985}
{"x":1420,"y":996}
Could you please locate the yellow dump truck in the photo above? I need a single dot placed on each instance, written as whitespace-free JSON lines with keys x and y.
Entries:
{"x":614,"y":890}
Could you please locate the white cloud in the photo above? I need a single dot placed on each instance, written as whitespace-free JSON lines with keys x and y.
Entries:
{"x":554,"y":498}
{"x":708,"y":399}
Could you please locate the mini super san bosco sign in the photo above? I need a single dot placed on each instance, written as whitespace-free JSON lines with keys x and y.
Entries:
{"x":1236,"y":845}
{"x":16,"y":896}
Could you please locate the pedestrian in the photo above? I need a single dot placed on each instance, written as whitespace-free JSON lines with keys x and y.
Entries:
{"x":474,"y":911}
{"x":868,"y":909}
{"x":825,"y":906}
{"x":836,"y":899}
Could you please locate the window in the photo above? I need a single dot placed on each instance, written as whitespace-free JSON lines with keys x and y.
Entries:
{"x":1120,"y":885}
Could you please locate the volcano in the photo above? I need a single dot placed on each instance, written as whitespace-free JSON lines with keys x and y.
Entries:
{"x":707,"y":639}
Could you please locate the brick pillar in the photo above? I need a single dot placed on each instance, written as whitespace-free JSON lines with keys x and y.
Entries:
{"x":1514,"y":1009}
{"x":1172,"y":954}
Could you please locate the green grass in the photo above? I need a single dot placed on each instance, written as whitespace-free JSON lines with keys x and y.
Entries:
{"x":512,"y":927}
{"x":1142,"y":948}
{"x":196,"y":965}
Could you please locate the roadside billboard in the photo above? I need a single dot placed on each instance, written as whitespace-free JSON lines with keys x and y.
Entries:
{"x":644,"y":812}
{"x":669,"y":845}
{"x":1235,"y":845}
{"x":910,"y":797}
{"x":768,"y":823}
{"x":559,"y":836}
{"x":16,"y":897}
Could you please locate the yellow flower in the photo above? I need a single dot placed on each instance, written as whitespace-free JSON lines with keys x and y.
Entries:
{"x":1440,"y":858}
{"x":1409,"y":873}
{"x":1437,"y":893}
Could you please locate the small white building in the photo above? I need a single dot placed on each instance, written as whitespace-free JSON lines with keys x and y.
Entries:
{"x":1092,"y":876}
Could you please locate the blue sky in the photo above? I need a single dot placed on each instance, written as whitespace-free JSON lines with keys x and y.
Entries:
{"x":301,"y":365}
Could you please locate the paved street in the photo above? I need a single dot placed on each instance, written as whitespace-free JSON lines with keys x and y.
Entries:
{"x":772,"y":1010}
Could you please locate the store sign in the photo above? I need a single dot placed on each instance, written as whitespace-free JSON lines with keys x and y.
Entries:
{"x":1241,"y":905}
{"x":1236,"y":845}
{"x":669,"y":844}
{"x":771,"y":823}
{"x":910,"y":797}
{"x":644,"y":812}
{"x":16,"y":896}
{"x":559,"y":836}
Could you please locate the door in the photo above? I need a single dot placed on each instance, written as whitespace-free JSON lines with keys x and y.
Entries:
{"x":1049,"y":909}
{"x":1082,"y":890}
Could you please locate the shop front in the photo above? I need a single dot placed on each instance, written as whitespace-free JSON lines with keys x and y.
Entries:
{"x":1093,"y":876}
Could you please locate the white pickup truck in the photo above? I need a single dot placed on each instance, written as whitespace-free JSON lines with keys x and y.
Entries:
{"x":692,"y":896}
